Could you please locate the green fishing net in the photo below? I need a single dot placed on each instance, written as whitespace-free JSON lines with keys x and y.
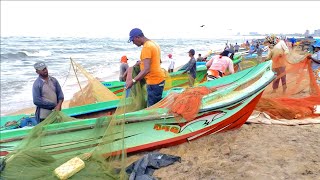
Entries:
{"x":98,"y":142}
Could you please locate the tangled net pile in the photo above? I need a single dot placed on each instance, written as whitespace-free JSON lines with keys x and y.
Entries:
{"x":302,"y":93}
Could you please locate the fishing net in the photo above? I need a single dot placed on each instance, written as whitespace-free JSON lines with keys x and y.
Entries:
{"x":245,"y":64}
{"x":92,"y":148}
{"x":94,"y":91}
{"x":187,"y":104}
{"x":39,"y":154}
{"x":296,"y":99}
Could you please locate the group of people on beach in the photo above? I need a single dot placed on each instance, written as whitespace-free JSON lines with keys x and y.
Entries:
{"x":217,"y":65}
{"x":48,"y":95}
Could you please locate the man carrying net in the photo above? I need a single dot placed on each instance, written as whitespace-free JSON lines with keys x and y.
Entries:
{"x":150,"y":66}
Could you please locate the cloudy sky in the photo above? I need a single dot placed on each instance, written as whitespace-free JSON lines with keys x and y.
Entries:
{"x":158,"y":19}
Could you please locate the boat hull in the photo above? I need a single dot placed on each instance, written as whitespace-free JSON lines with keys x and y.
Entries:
{"x":234,"y":121}
{"x":226,"y":108}
{"x":150,"y":134}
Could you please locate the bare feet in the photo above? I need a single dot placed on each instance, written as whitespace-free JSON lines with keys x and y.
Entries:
{"x":284,"y":88}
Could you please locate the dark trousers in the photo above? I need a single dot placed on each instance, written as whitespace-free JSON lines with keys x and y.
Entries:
{"x":154,"y":93}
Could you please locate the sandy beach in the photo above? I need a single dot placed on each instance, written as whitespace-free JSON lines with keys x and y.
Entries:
{"x":254,"y":151}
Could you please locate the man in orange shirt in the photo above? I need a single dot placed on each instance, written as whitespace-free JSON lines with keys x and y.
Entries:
{"x":150,"y":66}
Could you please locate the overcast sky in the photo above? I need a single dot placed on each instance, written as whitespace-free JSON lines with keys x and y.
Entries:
{"x":162,"y":19}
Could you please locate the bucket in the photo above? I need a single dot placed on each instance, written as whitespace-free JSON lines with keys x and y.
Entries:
{"x":28,"y":121}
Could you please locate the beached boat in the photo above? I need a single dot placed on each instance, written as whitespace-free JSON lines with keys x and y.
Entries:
{"x":254,"y":55}
{"x":177,"y":79}
{"x":226,"y":108}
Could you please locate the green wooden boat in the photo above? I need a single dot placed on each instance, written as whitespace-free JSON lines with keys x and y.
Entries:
{"x":178,"y":80}
{"x":227,"y":108}
{"x":104,"y":108}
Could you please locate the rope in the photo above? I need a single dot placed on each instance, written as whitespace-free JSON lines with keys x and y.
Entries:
{"x":67,"y":76}
{"x":76,"y":74}
{"x":123,"y":126}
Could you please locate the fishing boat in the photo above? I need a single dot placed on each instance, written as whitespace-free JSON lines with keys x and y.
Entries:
{"x":226,"y":108}
{"x":176,"y":79}
{"x":247,"y":56}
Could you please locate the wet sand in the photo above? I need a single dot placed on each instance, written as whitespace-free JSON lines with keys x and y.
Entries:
{"x":254,"y":151}
{"x":31,"y":110}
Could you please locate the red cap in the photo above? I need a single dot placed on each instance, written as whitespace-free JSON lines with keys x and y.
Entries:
{"x":170,"y":55}
{"x":124,"y":59}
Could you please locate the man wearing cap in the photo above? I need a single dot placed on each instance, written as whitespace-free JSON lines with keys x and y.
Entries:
{"x":123,"y":67}
{"x":150,"y":66}
{"x":47,"y":93}
{"x":191,"y":68}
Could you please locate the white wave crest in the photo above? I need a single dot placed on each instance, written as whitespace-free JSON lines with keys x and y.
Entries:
{"x":38,"y":54}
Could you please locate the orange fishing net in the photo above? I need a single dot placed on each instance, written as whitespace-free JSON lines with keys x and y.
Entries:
{"x":296,"y":98}
{"x":187,"y":104}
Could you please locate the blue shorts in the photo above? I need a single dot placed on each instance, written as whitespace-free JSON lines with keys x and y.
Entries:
{"x":127,"y":90}
{"x":154,"y":93}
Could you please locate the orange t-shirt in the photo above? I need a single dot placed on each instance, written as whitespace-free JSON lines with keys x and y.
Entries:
{"x":151,"y":50}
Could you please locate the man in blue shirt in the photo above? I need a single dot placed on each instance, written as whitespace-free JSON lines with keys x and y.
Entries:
{"x":191,"y":68}
{"x":47,"y":93}
{"x":293,"y":41}
{"x":259,"y":50}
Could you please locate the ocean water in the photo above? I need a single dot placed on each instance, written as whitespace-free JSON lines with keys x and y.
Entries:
{"x":99,"y":56}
